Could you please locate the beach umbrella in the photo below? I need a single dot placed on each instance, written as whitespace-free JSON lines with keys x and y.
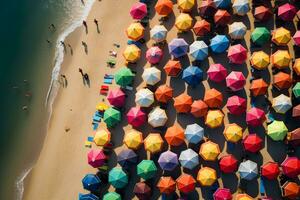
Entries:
{"x":206,"y":176}
{"x":198,"y":50}
{"x":163,"y":93}
{"x":260,"y":36}
{"x":228,"y":164}
{"x":117,"y":177}
{"x":236,"y":105}
{"x":182,"y":103}
{"x":192,"y":75}
{"x":213,"y":98}
{"x":127,"y":158}
{"x":281,"y":59}
{"x":116,"y":97}
{"x":154,"y":55}
{"x":296,"y":66}
{"x":174,"y":135}
{"x":168,"y":161}
{"x":214,"y":118}
{"x":178,"y":47}
{"x":296,"y":90}
{"x":166,"y":185}
{"x":287,"y":12}
{"x":262,"y":13}
{"x":258,"y":87}
{"x":136,"y":117}
{"x":133,"y":139}
{"x":91,"y":182}
{"x":199,"y":108}
{"x":144,"y":97}
{"x":138,"y":10}
{"x":282,"y":80}
{"x":112,"y":196}
{"x":189,"y":159}
{"x":158,"y":33}
{"x":102,"y":137}
{"x":270,"y":170}
{"x":102,"y":106}
{"x":96,"y":158}
{"x":237,"y":54}
{"x":151,"y":75}
{"x":222,"y":194}
{"x":142,"y":190}
{"x":185,"y":183}
{"x":296,"y":111}
{"x":293,"y":137}
{"x":157,"y":117}
{"x":243,"y":197}
{"x":235,"y":81}
{"x":255,"y":116}
{"x":112,"y":117}
{"x":296,"y":38}
{"x":135,"y":31}
{"x":164,"y":7}
{"x":222,"y":17}
{"x":248,"y":170}
{"x":172,"y":68}
{"x":237,"y":30}
{"x":209,"y":151}
{"x":217,"y":72}
{"x":184,"y":22}
{"x":146,"y":169}
{"x":185,"y":5}
{"x":281,"y":36}
{"x":290,"y":190}
{"x":222,"y":3}
{"x":194,"y":133}
{"x":132,"y":53}
{"x":233,"y":132}
{"x":89,"y":196}
{"x":277,"y":130}
{"x":219,"y":44}
{"x":201,"y":27}
{"x":153,"y":143}
{"x":124,"y":76}
{"x":282,"y":103}
{"x":207,"y":8}
{"x":252,"y":143}
{"x":241,"y":7}
{"x":260,"y":60}
{"x":291,"y":167}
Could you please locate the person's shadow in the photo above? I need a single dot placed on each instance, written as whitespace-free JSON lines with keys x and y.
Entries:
{"x":86,"y":80}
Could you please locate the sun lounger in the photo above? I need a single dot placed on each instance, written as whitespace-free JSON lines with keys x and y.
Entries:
{"x":109,"y":76}
{"x":88,"y":144}
{"x":107,"y":80}
{"x":104,"y":89}
{"x":95,"y":125}
{"x":111,"y":62}
{"x":96,"y":118}
{"x":90,"y":138}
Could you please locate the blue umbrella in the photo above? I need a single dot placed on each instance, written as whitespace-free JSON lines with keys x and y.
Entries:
{"x":91,"y":182}
{"x":219,"y":44}
{"x":88,"y":197}
{"x":194,"y":133}
{"x":192,"y":75}
{"x":189,"y":159}
{"x":222,"y":3}
{"x":127,"y":158}
{"x":198,"y":50}
{"x":178,"y":47}
{"x":168,"y":160}
{"x":248,"y":170}
{"x":241,"y":7}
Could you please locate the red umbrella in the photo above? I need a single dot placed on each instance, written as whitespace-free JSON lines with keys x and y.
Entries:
{"x":291,"y":167}
{"x":287,"y":12}
{"x":201,"y":27}
{"x":270,"y":170}
{"x":228,"y":164}
{"x":296,"y":38}
{"x":222,"y":194}
{"x":96,"y":158}
{"x":252,"y":143}
{"x":236,"y":105}
{"x":235,"y":80}
{"x":262,"y":13}
{"x":222,"y":17}
{"x":138,"y":10}
{"x":199,"y":108}
{"x":237,"y":54}
{"x":296,"y":111}
{"x":185,"y":183}
{"x":116,"y":97}
{"x":217,"y":72}
{"x":142,"y":190}
{"x":136,"y":117}
{"x":255,"y":117}
{"x":172,"y":68}
{"x":154,"y":55}
{"x":207,"y":8}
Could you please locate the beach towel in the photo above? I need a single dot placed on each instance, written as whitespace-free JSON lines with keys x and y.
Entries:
{"x":90,"y":138}
{"x":107,"y":80}
{"x":88,"y":144}
{"x":95,"y":126}
{"x":96,"y":118}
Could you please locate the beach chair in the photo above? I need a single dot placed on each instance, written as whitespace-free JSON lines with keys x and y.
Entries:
{"x":109,"y":76}
{"x":95,"y":125}
{"x":90,"y":138}
{"x":107,"y":80}
{"x":111,"y":62}
{"x":104,"y":89}
{"x":96,"y":118}
{"x":88,"y":144}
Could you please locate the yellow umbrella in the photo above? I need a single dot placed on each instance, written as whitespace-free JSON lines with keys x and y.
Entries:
{"x":135,"y":31}
{"x":233,"y":132}
{"x":214,"y":118}
{"x":281,"y":36}
{"x":243,"y":197}
{"x":185,"y":5}
{"x":281,"y":59}
{"x":102,"y":106}
{"x":296,"y":66}
{"x":209,"y":151}
{"x":133,"y":139}
{"x":102,"y":137}
{"x":153,"y":143}
{"x":260,"y":60}
{"x":206,"y":176}
{"x":184,"y":22}
{"x":132,"y":53}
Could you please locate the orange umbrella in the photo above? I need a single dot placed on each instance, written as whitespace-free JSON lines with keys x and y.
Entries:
{"x":290,"y":190}
{"x":201,"y":27}
{"x":166,"y":185}
{"x":282,"y":81}
{"x":185,"y":183}
{"x":164,"y":7}
{"x":296,"y":66}
{"x":182,"y":103}
{"x":164,"y":93}
{"x":199,"y":108}
{"x":258,"y":87}
{"x":213,"y":98}
{"x":175,"y":135}
{"x":172,"y":68}
{"x":243,"y":197}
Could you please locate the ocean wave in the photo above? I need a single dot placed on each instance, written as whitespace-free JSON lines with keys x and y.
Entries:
{"x":20,"y":183}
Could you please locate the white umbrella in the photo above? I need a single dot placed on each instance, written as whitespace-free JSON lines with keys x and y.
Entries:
{"x":189,"y":159}
{"x":248,"y":170}
{"x":198,"y":50}
{"x":151,"y":75}
{"x":282,"y":103}
{"x":158,"y":33}
{"x":144,"y":97}
{"x":241,"y":7}
{"x":237,"y":30}
{"x":157,"y":117}
{"x":194,"y":133}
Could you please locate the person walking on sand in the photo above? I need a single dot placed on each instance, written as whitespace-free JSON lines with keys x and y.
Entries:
{"x":85,"y":26}
{"x":81,"y":72}
{"x":71,"y":49}
{"x":97,"y":26}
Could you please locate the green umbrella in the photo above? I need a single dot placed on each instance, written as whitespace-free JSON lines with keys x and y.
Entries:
{"x":296,"y":90}
{"x":124,"y":76}
{"x":117,"y":177}
{"x":112,"y":117}
{"x":277,"y":130}
{"x":112,"y":196}
{"x":146,"y":169}
{"x":260,"y":35}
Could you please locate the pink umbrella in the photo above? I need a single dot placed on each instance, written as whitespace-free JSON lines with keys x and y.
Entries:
{"x":96,"y":158}
{"x":116,"y":97}
{"x":138,"y":10}
{"x":136,"y":117}
{"x":154,"y":55}
{"x":235,"y":80}
{"x":287,"y":12}
{"x":236,"y":105}
{"x":237,"y":54}
{"x":296,"y":38}
{"x":222,"y":194}
{"x":255,"y":117}
{"x":217,"y":72}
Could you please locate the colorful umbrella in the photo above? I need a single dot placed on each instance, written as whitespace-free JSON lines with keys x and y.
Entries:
{"x":236,"y":105}
{"x":166,"y":185}
{"x":151,"y":75}
{"x":192,"y":75}
{"x":164,"y":7}
{"x":260,"y":60}
{"x":136,"y":117}
{"x":135,"y":31}
{"x":237,"y":30}
{"x":262,"y":13}
{"x":133,"y":139}
{"x":235,"y":80}
{"x":233,"y":132}
{"x":296,"y":66}
{"x":281,"y":36}
{"x":237,"y":54}
{"x":207,"y":8}
{"x":209,"y":151}
{"x":201,"y":27}
{"x":260,"y":36}
{"x":296,"y":38}
{"x":241,"y":7}
{"x":282,"y":103}
{"x":281,"y":59}
{"x":185,"y":183}
{"x":146,"y":169}
{"x":157,"y":117}
{"x":270,"y":170}
{"x":214,"y":118}
{"x":291,"y":167}
{"x":222,"y":194}
{"x":228,"y":164}
{"x":248,"y":170}
{"x":178,"y":47}
{"x":282,"y":80}
{"x":222,"y":3}
{"x":132,"y":53}
{"x":144,"y":97}
{"x":217,"y":72}
{"x":287,"y":12}
{"x":296,"y":90}
{"x":154,"y":55}
{"x":153,"y":143}
{"x":198,"y":50}
{"x":142,"y":190}
{"x":184,"y":22}
{"x":112,"y":196}
{"x":168,"y":161}
{"x":296,"y":111}
{"x":91,"y":182}
{"x":158,"y":33}
{"x":213,"y":98}
{"x":189,"y":159}
{"x":172,"y":68}
{"x":138,"y":10}
{"x":206,"y":176}
{"x":290,"y":190}
{"x":194,"y":133}
{"x":116,"y":97}
{"x":185,"y":5}
{"x":163,"y":93}
{"x":89,"y":196}
{"x":127,"y":158}
{"x":112,"y":117}
{"x":174,"y":135}
{"x":182,"y":103}
{"x":219,"y":44}
{"x":293,"y":137}
{"x":277,"y":130}
{"x":199,"y":108}
{"x":117,"y":177}
{"x":102,"y":137}
{"x":124,"y":76}
{"x":258,"y":87}
{"x":222,"y":17}
{"x":255,"y":116}
{"x":252,"y":143}
{"x":102,"y":106}
{"x":243,"y":197}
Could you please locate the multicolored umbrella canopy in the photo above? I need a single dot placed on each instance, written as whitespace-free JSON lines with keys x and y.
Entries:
{"x":296,"y":38}
{"x":290,"y":190}
{"x":136,"y":117}
{"x":262,"y":13}
{"x":153,"y":143}
{"x":102,"y":137}
{"x":154,"y":55}
{"x":135,"y":31}
{"x":260,"y":60}
{"x":219,"y":44}
{"x":296,"y":90}
{"x":163,"y":93}
{"x":236,"y":105}
{"x":258,"y":87}
{"x":178,"y":47}
{"x":217,"y":72}
{"x":291,"y":167}
{"x":182,"y":103}
{"x":282,"y":103}
{"x":233,"y":132}
{"x":237,"y":30}
{"x":189,"y":159}
{"x":117,"y":177}
{"x":241,"y":7}
{"x":293,"y":137}
{"x":112,"y":117}
{"x":112,"y":196}
{"x":199,"y":108}
{"x":116,"y":97}
{"x":168,"y":161}
{"x":157,"y":117}
{"x":164,"y":7}
{"x":277,"y":130}
{"x":184,"y":22}
{"x":222,"y":17}
{"x":172,"y":68}
{"x":260,"y":36}
{"x":151,"y":75}
{"x":201,"y":27}
{"x":185,"y":5}
{"x":255,"y":117}
{"x":89,"y":196}
{"x":222,"y":3}
{"x":194,"y":133}
{"x":166,"y":185}
{"x":243,"y":197}
{"x":235,"y":80}
{"x":237,"y":54}
{"x":222,"y":194}
{"x":287,"y":12}
{"x":138,"y":10}
{"x":206,"y":176}
{"x":228,"y":164}
{"x":142,"y":190}
{"x":296,"y":66}
{"x":124,"y":76}
{"x":248,"y":170}
{"x":198,"y":50}
{"x":270,"y":170}
{"x":91,"y":182}
{"x":144,"y":97}
{"x":281,"y":36}
{"x":213,"y":98}
{"x":281,"y":59}
{"x":146,"y":169}
{"x":192,"y":75}
{"x":133,"y":139}
{"x":214,"y":118}
{"x":282,"y":80}
{"x":127,"y":158}
{"x":209,"y":151}
{"x":158,"y":33}
{"x":252,"y":143}
{"x":174,"y":135}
